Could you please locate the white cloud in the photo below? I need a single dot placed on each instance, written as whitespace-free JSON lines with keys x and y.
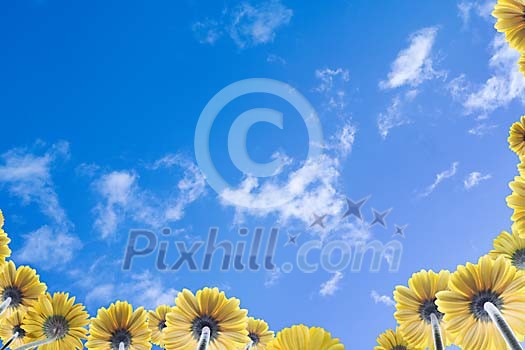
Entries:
{"x":273,"y":277}
{"x":395,"y":115}
{"x":313,"y":189}
{"x":331,"y":286}
{"x":413,"y":65}
{"x":246,"y":24}
{"x":254,"y":25}
{"x":273,"y":58}
{"x":327,"y":77}
{"x":27,"y":176}
{"x":482,"y":9}
{"x":355,"y":232}
{"x":143,"y":289}
{"x":343,"y":141}
{"x":474,"y":179}
{"x":333,"y":84}
{"x":382,"y":299}
{"x":505,"y":85}
{"x":122,"y":197}
{"x":207,"y":31}
{"x":440,"y":178}
{"x":482,"y":129}
{"x":48,"y":248}
{"x":191,"y":187}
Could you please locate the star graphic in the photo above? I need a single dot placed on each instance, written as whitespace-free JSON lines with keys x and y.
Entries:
{"x":354,"y":208}
{"x":400,"y":230}
{"x":318,"y":220}
{"x":379,"y":217}
{"x":292,"y":239}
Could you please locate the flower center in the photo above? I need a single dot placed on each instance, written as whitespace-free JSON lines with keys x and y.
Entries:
{"x":162,"y":325}
{"x":120,"y":336}
{"x":56,"y":326}
{"x":427,"y":308}
{"x":255,"y":338}
{"x":20,"y":330}
{"x":478,"y":302}
{"x":15,"y":294}
{"x":205,"y":321}
{"x":399,"y":347}
{"x":518,"y":259}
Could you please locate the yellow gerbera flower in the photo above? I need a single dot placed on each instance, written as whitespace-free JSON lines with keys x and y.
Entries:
{"x":471,"y":286}
{"x":510,"y":246}
{"x":119,"y":324}
{"x":5,"y":252}
{"x":208,"y":308}
{"x":304,"y":338}
{"x":521,"y":63}
{"x":157,"y":323}
{"x":22,"y":285}
{"x":393,"y":340}
{"x":521,"y":167}
{"x":516,"y":201}
{"x":517,"y":137}
{"x":11,"y":326}
{"x":59,"y":318}
{"x":511,"y":21}
{"x":416,"y":304}
{"x":259,"y":333}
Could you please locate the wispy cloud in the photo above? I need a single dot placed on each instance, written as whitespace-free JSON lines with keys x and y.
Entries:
{"x":143,"y":289}
{"x":122,"y":197}
{"x":332,"y":85}
{"x":331,"y":286}
{"x":440,"y":178}
{"x":27,"y":175}
{"x":413,"y":64}
{"x":482,"y":129}
{"x":273,"y":58}
{"x":48,"y":248}
{"x":343,"y":140}
{"x":246,"y":24}
{"x":273,"y":277}
{"x":505,"y":85}
{"x":207,"y":31}
{"x":474,"y":179}
{"x":313,"y":189}
{"x":395,"y":115}
{"x":482,"y":9}
{"x":382,"y":299}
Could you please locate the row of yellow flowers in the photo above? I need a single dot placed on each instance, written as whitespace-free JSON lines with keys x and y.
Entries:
{"x":480,"y":306}
{"x":30,"y":317}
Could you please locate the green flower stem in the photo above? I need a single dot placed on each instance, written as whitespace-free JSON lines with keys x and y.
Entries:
{"x":503,"y":327}
{"x":436,"y":331}
{"x":5,"y":304}
{"x":204,"y":340}
{"x":36,"y":344}
{"x":7,"y":343}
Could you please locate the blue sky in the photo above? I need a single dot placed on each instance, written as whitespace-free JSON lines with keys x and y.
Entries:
{"x":99,"y":102}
